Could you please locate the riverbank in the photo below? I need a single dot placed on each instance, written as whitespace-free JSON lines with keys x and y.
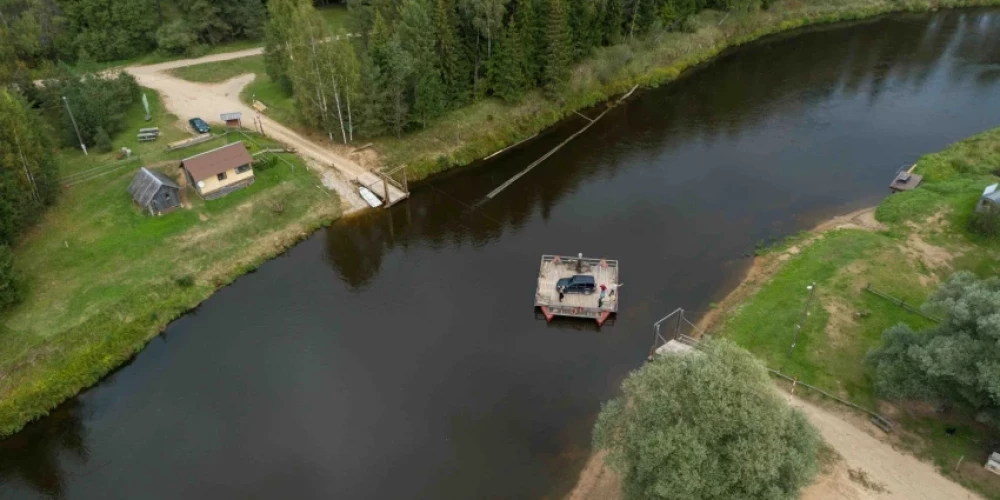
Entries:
{"x":26,"y":356}
{"x":474,"y":132}
{"x":471,"y":133}
{"x":905,"y":247}
{"x":103,"y":278}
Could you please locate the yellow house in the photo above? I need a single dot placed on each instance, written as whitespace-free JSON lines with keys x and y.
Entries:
{"x":220,"y":171}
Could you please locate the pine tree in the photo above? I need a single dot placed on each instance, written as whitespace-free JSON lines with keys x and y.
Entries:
{"x":509,"y":70}
{"x":582,"y":26}
{"x":429,"y":99}
{"x":532,"y":39}
{"x":559,"y":46}
{"x":614,"y":17}
{"x":277,"y":41}
{"x":396,"y":72}
{"x":371,"y":109}
{"x":416,"y":30}
{"x":454,"y":71}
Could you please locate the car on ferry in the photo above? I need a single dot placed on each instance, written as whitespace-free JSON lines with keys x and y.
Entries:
{"x":581,"y":283}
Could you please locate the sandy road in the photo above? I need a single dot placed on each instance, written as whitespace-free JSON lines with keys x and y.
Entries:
{"x":189,"y":99}
{"x":872,"y":469}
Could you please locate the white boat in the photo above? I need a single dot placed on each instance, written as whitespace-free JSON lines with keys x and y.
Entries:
{"x":370,"y":197}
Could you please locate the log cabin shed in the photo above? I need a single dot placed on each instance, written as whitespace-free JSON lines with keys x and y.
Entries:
{"x":220,"y":171}
{"x":154,"y":191}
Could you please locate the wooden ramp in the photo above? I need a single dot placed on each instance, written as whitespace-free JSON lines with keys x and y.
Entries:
{"x":388,"y":190}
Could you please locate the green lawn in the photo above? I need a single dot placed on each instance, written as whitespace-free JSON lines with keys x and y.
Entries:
{"x":337,"y":17}
{"x":924,"y":241}
{"x":221,"y":71}
{"x":72,"y":161}
{"x":103,"y":277}
{"x":280,"y":106}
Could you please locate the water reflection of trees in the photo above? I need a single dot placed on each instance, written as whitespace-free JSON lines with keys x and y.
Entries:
{"x":33,"y":455}
{"x":784,"y":77}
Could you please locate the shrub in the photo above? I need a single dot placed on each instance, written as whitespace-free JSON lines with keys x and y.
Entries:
{"x":985,"y":224}
{"x":102,"y":141}
{"x":10,"y":289}
{"x":265,"y":162}
{"x":176,"y":38}
{"x":186,"y":281}
{"x":706,"y":425}
{"x":956,"y":360}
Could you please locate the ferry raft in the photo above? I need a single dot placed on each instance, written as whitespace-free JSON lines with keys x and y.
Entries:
{"x":590,"y":288}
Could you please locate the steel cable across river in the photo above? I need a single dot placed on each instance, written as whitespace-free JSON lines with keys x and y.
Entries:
{"x":396,"y":354}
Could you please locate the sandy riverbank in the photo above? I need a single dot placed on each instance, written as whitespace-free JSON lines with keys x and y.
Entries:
{"x":868,"y":466}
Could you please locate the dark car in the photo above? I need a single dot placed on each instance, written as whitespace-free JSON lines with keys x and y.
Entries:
{"x":199,"y":125}
{"x":581,"y":283}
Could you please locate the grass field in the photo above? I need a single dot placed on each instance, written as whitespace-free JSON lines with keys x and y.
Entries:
{"x":72,"y":161}
{"x":280,"y":105}
{"x":103,"y":277}
{"x":221,"y":71}
{"x":923,"y":241}
{"x":337,"y":17}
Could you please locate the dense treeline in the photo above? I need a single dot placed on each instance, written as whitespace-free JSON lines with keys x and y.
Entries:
{"x":418,"y":59}
{"x":27,"y":180}
{"x":98,"y":104}
{"x":36,"y":34}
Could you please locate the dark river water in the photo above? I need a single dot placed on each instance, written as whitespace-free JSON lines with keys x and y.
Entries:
{"x":397,"y":355}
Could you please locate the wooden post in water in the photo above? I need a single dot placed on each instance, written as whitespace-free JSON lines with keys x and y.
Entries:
{"x":385,"y":185}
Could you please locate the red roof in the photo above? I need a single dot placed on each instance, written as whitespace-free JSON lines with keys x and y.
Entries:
{"x":217,"y":161}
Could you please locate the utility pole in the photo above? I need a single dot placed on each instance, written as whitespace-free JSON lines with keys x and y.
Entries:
{"x":802,"y":317}
{"x":82,"y":145}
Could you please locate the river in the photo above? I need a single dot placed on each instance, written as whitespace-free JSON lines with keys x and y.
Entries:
{"x":396,"y":354}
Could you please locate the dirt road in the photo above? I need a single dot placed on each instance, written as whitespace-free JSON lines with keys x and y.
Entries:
{"x":869,"y":469}
{"x":189,"y":99}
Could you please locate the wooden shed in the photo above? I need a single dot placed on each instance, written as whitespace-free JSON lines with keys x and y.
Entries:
{"x":232,"y":120}
{"x":154,"y":191}
{"x":220,"y":171}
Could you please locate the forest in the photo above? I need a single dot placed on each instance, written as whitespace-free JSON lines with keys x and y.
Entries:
{"x":397,"y":67}
{"x":418,"y":59}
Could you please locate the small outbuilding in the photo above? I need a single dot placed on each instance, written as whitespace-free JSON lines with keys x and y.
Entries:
{"x":989,"y":203}
{"x":154,"y":191}
{"x":232,"y":120}
{"x":220,"y":171}
{"x":993,"y":463}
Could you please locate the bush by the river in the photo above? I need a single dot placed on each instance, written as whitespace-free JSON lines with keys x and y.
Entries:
{"x":706,"y":425}
{"x":956,"y":360}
